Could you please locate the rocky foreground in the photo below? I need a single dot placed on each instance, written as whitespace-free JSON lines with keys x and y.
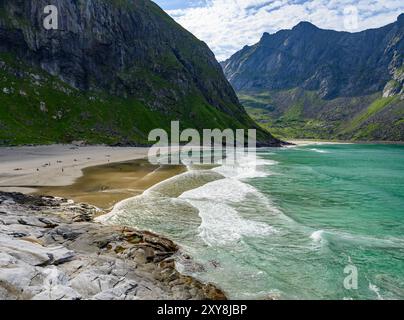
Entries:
{"x":50,"y":248}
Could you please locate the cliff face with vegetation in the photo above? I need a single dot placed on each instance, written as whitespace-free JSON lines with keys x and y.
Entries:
{"x":314,"y":83}
{"x":112,"y":71}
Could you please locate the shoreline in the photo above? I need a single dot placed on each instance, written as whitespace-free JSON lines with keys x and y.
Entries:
{"x":303,"y":142}
{"x":106,"y":185}
{"x":55,"y":165}
{"x":117,"y":155}
{"x":162,"y":273}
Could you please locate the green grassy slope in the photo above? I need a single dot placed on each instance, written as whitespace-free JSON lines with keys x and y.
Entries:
{"x":36,"y":108}
{"x":299,"y":114}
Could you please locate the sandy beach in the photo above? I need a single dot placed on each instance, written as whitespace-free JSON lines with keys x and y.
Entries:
{"x":98,"y":175}
{"x":24,"y":168}
{"x":28,"y":169}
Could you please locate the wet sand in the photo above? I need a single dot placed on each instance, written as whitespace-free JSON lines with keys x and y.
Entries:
{"x":55,"y":165}
{"x":97,"y":175}
{"x":106,"y":185}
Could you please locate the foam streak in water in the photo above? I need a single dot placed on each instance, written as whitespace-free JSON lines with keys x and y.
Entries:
{"x":216,"y":202}
{"x":222,"y":225}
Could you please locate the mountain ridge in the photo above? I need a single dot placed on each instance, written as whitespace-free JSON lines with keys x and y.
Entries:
{"x":309,"y":82}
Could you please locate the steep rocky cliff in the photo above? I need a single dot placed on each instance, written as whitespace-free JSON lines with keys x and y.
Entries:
{"x":112,"y":71}
{"x":314,"y":83}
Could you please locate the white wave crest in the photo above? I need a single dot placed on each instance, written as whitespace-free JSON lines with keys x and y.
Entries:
{"x":317,"y":236}
{"x":222,"y":224}
{"x":217,"y":200}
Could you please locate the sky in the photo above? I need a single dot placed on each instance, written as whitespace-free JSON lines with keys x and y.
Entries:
{"x":228,"y":25}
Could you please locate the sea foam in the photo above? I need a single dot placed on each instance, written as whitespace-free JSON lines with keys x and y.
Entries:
{"x":219,"y":200}
{"x":216,"y":194}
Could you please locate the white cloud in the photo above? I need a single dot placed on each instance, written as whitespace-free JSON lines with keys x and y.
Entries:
{"x":227,"y":25}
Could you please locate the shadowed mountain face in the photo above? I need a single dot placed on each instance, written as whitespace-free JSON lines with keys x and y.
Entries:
{"x":308,"y":82}
{"x":111,"y":72}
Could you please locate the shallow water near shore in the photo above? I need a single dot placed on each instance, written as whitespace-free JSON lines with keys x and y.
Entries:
{"x":287,"y":225}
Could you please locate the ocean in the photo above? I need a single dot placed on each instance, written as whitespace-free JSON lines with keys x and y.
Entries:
{"x":296,"y":223}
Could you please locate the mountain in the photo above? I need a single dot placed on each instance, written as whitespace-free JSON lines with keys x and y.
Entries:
{"x":112,"y":71}
{"x":313,"y":83}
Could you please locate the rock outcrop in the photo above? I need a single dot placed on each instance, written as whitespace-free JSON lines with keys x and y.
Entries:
{"x":51,"y":250}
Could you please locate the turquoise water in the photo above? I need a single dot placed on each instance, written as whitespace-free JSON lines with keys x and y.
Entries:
{"x":287,"y":226}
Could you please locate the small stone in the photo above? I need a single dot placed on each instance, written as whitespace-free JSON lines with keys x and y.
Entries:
{"x":140,"y":256}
